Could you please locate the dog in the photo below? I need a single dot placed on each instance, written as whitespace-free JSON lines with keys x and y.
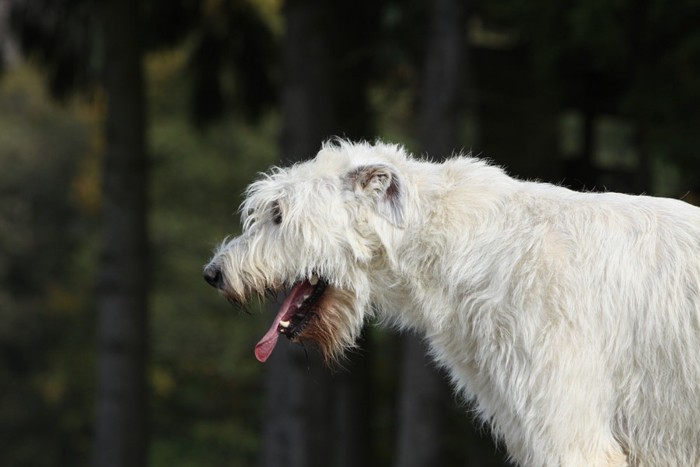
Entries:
{"x":571,"y":320}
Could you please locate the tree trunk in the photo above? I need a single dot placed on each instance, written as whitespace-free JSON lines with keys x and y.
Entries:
{"x":420,"y":408}
{"x":121,"y":433}
{"x":307,"y":102}
{"x":444,"y":86}
{"x":313,"y":419}
{"x":422,"y":388}
{"x":298,"y":401}
{"x":353,"y":440}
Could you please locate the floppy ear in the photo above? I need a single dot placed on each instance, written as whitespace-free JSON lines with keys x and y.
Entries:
{"x":381,"y":184}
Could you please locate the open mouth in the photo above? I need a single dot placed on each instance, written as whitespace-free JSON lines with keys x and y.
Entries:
{"x":297,"y":311}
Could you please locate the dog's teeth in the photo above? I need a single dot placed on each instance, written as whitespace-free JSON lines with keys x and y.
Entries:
{"x":313,"y":280}
{"x":306,"y":296}
{"x":284,"y":324}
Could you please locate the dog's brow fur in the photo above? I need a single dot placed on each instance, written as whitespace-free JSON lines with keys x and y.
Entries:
{"x":571,"y":320}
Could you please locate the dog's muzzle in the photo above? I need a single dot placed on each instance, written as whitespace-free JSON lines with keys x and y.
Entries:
{"x":212,"y":274}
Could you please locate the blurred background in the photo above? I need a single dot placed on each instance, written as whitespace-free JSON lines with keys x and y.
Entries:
{"x":129,"y":129}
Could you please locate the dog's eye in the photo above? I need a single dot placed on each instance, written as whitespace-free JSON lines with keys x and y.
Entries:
{"x":276,"y":213}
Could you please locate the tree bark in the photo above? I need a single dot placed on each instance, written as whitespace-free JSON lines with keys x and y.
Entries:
{"x":121,"y":433}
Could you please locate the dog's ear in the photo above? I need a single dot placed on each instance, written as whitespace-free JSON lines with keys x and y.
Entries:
{"x":382,"y":185}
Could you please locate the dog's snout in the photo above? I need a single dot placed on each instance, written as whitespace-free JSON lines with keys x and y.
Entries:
{"x":212,"y":274}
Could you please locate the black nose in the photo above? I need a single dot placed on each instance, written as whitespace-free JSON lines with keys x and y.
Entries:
{"x":212,"y":275}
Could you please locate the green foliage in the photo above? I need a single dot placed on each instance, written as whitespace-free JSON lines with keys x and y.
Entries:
{"x":205,"y":381}
{"x":636,"y":60}
{"x":63,"y":36}
{"x":45,"y":282}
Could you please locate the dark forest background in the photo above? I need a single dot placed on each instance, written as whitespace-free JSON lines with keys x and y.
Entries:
{"x":129,"y":129}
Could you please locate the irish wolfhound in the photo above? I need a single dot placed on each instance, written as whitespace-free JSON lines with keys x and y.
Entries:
{"x":571,"y":320}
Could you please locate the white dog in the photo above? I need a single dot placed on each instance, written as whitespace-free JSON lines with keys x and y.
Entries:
{"x":572,"y":320}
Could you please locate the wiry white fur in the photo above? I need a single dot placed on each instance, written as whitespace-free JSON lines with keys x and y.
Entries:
{"x":572,"y":320}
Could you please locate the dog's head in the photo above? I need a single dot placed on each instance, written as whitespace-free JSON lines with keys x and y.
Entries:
{"x":320,"y":229}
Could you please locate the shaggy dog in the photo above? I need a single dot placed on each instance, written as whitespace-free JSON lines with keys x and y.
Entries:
{"x":572,"y":320}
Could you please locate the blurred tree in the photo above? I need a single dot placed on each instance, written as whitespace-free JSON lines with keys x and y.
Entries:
{"x":298,"y":399}
{"x":121,"y":431}
{"x":424,"y":394}
{"x":422,"y":389}
{"x":63,"y":37}
{"x":447,"y":89}
{"x":635,"y":60}
{"x":232,"y":42}
{"x":67,"y":37}
{"x":46,"y":378}
{"x":355,"y":400}
{"x":232,"y":49}
{"x":326,"y":59}
{"x":445,"y":78}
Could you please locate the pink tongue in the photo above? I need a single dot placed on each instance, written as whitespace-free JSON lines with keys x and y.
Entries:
{"x":264,"y":348}
{"x":266,"y":345}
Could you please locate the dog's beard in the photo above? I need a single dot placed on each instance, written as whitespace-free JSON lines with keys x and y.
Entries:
{"x":316,"y":312}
